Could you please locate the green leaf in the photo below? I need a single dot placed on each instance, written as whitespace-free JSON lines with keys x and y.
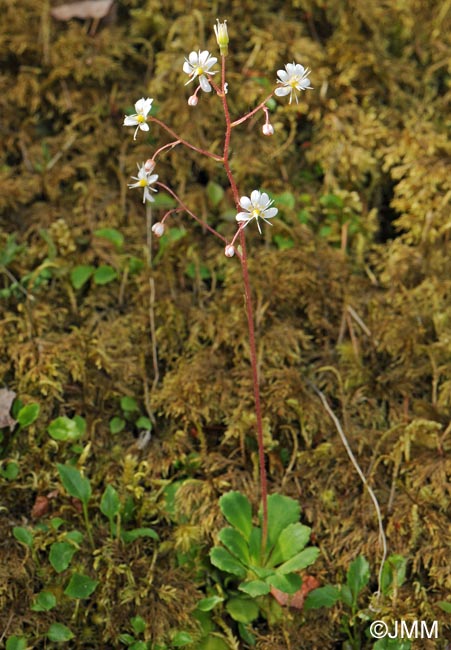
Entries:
{"x":113,"y":235}
{"x":300,"y":561}
{"x":128,"y":639}
{"x":283,"y":243}
{"x":255,"y":544}
{"x":116,"y":425}
{"x":444,"y":605}
{"x":207,"y":604}
{"x":181,"y":638}
{"x":346,"y":595}
{"x":144,"y":423}
{"x":128,"y":404}
{"x":243,"y":610}
{"x":59,"y":633}
{"x":285,"y":199}
{"x":80,"y":275}
{"x":131,"y":535}
{"x":44,"y":602}
{"x":23,"y":535}
{"x":76,"y":485}
{"x":28,"y":414}
{"x":135,"y":265}
{"x":237,"y":509}
{"x":16,"y":643}
{"x":215,"y":193}
{"x":255,"y":588}
{"x":322,"y":597}
{"x":139,"y":645}
{"x":358,"y":576}
{"x":246,"y":635}
{"x":80,"y":586}
{"x":10,"y":472}
{"x":235,"y":543}
{"x":291,"y":541}
{"x":104,"y":274}
{"x":393,"y":573}
{"x":75,"y":536}
{"x":67,"y":430}
{"x":138,"y":624}
{"x":222,"y":559}
{"x":289,"y":584}
{"x":61,"y":554}
{"x":282,"y":511}
{"x":110,"y":503}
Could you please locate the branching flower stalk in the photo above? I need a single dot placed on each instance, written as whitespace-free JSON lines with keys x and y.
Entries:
{"x":258,"y":206}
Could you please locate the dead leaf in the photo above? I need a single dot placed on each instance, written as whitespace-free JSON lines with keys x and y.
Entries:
{"x":95,"y":9}
{"x":6,"y":400}
{"x":40,"y":507}
{"x":296,"y":600}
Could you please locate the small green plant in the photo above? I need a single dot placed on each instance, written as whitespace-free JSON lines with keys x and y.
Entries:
{"x":258,"y":565}
{"x":12,"y":423}
{"x":355,"y":619}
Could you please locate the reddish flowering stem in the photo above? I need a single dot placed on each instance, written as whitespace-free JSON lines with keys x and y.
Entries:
{"x":170,"y":145}
{"x":186,"y":209}
{"x":249,"y":309}
{"x":204,"y":152}
{"x":248,"y":115}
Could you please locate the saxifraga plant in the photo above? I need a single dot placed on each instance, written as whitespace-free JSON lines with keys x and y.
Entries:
{"x":258,"y":207}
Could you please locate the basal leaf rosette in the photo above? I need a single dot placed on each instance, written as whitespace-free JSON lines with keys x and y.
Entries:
{"x":285,"y":553}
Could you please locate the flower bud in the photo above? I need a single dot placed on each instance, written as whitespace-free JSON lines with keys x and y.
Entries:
{"x":268,"y":129}
{"x":192,"y":101}
{"x":222,"y":37}
{"x":229,"y":250}
{"x":149,"y":166}
{"x":158,"y":229}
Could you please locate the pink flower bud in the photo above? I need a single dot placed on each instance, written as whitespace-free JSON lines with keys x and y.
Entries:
{"x":229,"y":250}
{"x":158,"y":229}
{"x":192,"y":101}
{"x":149,"y":165}
{"x":268,"y":129}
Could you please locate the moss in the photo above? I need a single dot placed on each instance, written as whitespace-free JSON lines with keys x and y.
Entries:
{"x":359,"y":305}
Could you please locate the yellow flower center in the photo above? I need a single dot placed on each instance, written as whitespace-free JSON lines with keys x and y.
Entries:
{"x":256,"y":213}
{"x":293,"y":83}
{"x":143,"y":182}
{"x":199,"y":70}
{"x":140,"y":119}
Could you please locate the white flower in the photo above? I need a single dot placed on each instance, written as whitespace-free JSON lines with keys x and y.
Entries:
{"x":139,"y":119}
{"x":158,"y":229}
{"x":144,"y":180}
{"x":229,"y":250}
{"x":257,"y":207}
{"x":268,"y":129}
{"x":192,"y":101}
{"x":198,"y":64}
{"x":293,"y":79}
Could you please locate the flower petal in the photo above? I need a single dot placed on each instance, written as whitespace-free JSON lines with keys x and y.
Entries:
{"x":270,"y":213}
{"x":193,"y":58}
{"x":255,"y":197}
{"x":204,"y":84}
{"x":283,"y":90}
{"x":187,"y":67}
{"x":144,"y":127}
{"x":283,"y":75}
{"x":130,"y":120}
{"x":246,"y":203}
{"x":264,"y":201}
{"x":243,"y":216}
